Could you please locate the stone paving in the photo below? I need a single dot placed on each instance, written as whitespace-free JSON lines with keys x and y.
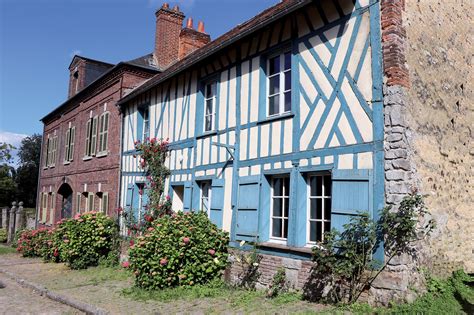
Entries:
{"x":102,"y":287}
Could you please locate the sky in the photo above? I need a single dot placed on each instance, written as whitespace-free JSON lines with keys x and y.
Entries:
{"x":38,"y":39}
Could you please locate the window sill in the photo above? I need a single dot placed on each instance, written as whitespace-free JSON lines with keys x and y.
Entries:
{"x":207,"y":134}
{"x":276,"y":118}
{"x":304,"y":250}
{"x":102,"y":154}
{"x":87,"y":158}
{"x":66,"y":162}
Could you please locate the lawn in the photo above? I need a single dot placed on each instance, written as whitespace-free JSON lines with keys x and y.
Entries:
{"x":4,"y":249}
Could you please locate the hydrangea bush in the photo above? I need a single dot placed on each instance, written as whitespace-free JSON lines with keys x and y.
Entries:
{"x":179,"y":249}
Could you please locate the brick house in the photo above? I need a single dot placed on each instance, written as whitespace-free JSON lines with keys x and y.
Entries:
{"x":344,"y":133}
{"x":80,"y":156}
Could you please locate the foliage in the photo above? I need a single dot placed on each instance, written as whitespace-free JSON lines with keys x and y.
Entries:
{"x":27,"y":173}
{"x":279,"y":284}
{"x":3,"y":235}
{"x":32,"y":242}
{"x":80,"y":242}
{"x":152,"y":160}
{"x":179,"y":249}
{"x":5,"y":152}
{"x":86,"y":239}
{"x":249,"y":265}
{"x":344,"y":264}
{"x":7,"y":175}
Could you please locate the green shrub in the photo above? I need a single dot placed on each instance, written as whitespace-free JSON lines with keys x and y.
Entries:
{"x":84,"y":240}
{"x":3,"y":235}
{"x":181,"y":249}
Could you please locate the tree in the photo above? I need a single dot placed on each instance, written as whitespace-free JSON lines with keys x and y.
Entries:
{"x":27,"y":173}
{"x":7,"y":173}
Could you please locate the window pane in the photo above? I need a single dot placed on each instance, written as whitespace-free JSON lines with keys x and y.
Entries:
{"x":274,"y":105}
{"x":287,"y":206}
{"x":318,"y":231}
{"x":208,"y":123}
{"x":274,"y":65}
{"x":327,"y":209}
{"x":208,"y":90}
{"x":287,"y":186}
{"x":319,"y":186}
{"x":327,"y":226}
{"x":319,"y":209}
{"x":312,"y":183}
{"x":285,"y":234}
{"x":287,"y":80}
{"x":277,"y":205}
{"x":312,"y":231}
{"x":327,"y":185}
{"x":274,"y":85}
{"x":276,"y":228}
{"x":277,"y":187}
{"x":209,"y":106}
{"x":312,"y":209}
{"x":288,"y":101}
{"x":287,"y":60}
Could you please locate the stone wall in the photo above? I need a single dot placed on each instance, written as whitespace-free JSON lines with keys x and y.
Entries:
{"x":440,"y":124}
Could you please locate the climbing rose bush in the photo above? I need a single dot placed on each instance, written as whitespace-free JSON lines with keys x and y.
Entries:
{"x":181,"y":249}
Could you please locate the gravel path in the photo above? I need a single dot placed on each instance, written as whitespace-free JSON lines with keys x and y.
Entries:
{"x":15,"y":299}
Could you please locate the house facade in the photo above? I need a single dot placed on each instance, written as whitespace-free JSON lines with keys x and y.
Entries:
{"x":80,"y":158}
{"x":276,"y":128}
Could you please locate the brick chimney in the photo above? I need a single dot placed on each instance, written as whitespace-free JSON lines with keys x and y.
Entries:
{"x":168,"y":27}
{"x":191,"y":39}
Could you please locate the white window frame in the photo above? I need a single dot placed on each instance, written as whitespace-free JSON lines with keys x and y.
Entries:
{"x":78,"y":202}
{"x":201,"y":197}
{"x":89,"y":195}
{"x":104,"y":198}
{"x":282,"y":91}
{"x":276,"y":239}
{"x":308,"y":213}
{"x":91,"y":137}
{"x":146,"y":123}
{"x":213,"y":86}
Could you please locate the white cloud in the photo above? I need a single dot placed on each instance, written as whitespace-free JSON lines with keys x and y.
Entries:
{"x":12,"y":138}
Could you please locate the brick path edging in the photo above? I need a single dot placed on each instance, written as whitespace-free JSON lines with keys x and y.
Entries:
{"x":43,"y":291}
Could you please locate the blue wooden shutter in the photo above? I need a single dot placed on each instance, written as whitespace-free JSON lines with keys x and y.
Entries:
{"x":139,"y":125}
{"x":247,"y":208}
{"x":217,"y":201}
{"x":188,"y":191}
{"x":350,"y":196}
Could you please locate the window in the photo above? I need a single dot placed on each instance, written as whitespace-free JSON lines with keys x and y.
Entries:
{"x":280,"y":207}
{"x":279,"y":84}
{"x":145,"y":127}
{"x":91,"y":137}
{"x":205,"y":196}
{"x":210,"y":95}
{"x":90,"y":202}
{"x":78,"y":202}
{"x":104,"y":202}
{"x":319,"y":215}
{"x":69,"y":146}
{"x":45,"y":207}
{"x":52,"y":207}
{"x":103,"y":132}
{"x":51,"y":148}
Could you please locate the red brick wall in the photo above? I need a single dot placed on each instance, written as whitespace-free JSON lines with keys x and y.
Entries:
{"x":191,"y":40}
{"x":103,"y":170}
{"x":168,"y":27}
{"x":394,"y":42}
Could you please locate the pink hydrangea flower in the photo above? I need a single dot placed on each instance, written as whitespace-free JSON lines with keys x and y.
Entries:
{"x":211,"y":252}
{"x":126,"y":264}
{"x":163,"y":261}
{"x":186,"y":240}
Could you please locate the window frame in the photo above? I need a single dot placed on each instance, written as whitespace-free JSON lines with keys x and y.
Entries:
{"x":78,"y":202}
{"x":103,"y":134}
{"x":69,"y":145}
{"x":213,"y":115}
{"x":309,"y":197}
{"x":275,"y":239}
{"x":281,"y":54}
{"x":89,"y":195}
{"x":91,"y":137}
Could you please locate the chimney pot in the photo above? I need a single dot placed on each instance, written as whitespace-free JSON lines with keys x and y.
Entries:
{"x":166,"y":5}
{"x":201,"y":27}
{"x":176,"y":8}
{"x":189,"y":24}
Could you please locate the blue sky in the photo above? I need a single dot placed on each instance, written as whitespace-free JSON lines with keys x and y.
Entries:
{"x":39,"y":37}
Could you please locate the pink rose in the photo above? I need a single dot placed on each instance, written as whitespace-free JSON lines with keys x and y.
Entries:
{"x":186,"y":240}
{"x":163,"y":261}
{"x":125,"y":264}
{"x":211,"y":252}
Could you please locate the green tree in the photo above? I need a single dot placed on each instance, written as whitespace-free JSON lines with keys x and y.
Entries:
{"x":7,"y":173}
{"x":27,"y":172}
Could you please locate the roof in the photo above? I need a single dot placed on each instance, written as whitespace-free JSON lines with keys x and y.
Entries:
{"x":145,"y":63}
{"x":90,"y":60}
{"x":256,"y":23}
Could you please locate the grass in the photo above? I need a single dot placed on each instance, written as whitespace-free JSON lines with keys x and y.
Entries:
{"x":6,"y":250}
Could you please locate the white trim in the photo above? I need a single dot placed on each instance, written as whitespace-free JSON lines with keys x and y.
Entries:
{"x":282,"y":90}
{"x":213,"y":84}
{"x":308,"y":206}
{"x":201,"y":183}
{"x":272,"y":238}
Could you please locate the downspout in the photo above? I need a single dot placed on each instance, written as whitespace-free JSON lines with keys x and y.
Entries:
{"x":117,"y":205}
